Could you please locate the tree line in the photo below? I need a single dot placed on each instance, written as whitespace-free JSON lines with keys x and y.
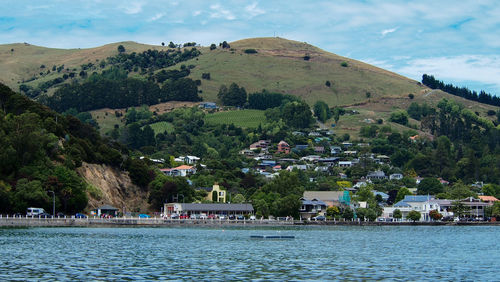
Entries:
{"x":463,"y":92}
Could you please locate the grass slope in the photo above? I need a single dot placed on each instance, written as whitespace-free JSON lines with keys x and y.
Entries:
{"x":241,"y":118}
{"x":162,"y":126}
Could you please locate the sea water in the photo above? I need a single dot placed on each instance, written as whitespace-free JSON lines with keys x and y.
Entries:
{"x":316,"y":253}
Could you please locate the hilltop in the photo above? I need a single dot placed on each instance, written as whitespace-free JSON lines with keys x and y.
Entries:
{"x":275,"y":64}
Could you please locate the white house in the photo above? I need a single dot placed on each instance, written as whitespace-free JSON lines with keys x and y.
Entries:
{"x":183,"y":170}
{"x":187,"y":159}
{"x":396,"y":176}
{"x":423,"y":204}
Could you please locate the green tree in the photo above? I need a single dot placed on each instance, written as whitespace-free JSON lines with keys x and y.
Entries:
{"x":322,"y":111}
{"x":414,"y":216}
{"x":459,"y":209}
{"x":347,"y":214}
{"x":397,"y":214}
{"x":238,"y":199}
{"x":297,"y":115}
{"x":121,"y":49}
{"x":495,"y":210}
{"x":232,"y":96}
{"x":332,"y":211}
{"x":430,"y":186}
{"x":400,"y":117}
{"x":213,"y":46}
{"x":402,"y":192}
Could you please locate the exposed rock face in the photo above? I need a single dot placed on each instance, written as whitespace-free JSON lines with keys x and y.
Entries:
{"x":115,"y":187}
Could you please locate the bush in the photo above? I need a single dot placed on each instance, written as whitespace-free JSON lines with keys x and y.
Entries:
{"x":344,"y":64}
{"x":400,"y":117}
{"x":250,"y":51}
{"x":411,"y":96}
{"x":205,"y":75}
{"x":307,"y":58}
{"x":327,"y":83}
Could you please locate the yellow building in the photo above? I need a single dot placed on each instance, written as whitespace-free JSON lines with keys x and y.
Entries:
{"x":216,"y":195}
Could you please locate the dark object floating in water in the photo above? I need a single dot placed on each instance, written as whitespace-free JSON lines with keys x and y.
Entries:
{"x":272,"y":237}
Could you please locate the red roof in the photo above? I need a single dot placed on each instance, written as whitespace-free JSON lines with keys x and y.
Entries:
{"x":488,"y":199}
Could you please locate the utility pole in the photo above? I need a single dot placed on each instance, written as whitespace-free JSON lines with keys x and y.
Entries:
{"x":53,"y":203}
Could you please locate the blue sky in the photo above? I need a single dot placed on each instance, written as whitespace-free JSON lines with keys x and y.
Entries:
{"x":457,"y":41}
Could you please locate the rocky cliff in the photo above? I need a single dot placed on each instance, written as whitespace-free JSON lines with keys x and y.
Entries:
{"x":112,"y":186}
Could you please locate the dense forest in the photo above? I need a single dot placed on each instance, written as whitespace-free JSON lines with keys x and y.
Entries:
{"x":463,"y":92}
{"x":41,"y":149}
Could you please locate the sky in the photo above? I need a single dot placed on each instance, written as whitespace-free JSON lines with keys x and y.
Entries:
{"x":456,"y":41}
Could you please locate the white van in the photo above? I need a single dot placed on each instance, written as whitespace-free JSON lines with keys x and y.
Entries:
{"x":34,"y":211}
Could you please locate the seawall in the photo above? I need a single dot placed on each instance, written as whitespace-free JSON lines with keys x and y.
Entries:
{"x":159,"y":222}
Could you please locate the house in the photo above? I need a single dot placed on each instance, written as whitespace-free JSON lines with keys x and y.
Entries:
{"x":384,"y":196}
{"x":396,"y":176}
{"x":261,"y":144}
{"x":208,"y":105}
{"x":330,"y":198}
{"x":319,"y":149}
{"x":321,"y":168}
{"x":107,"y":210}
{"x":347,"y":144}
{"x":216,"y":209}
{"x":267,"y":163}
{"x":156,"y":161}
{"x":314,"y":134}
{"x":334,"y":150}
{"x":443,"y":182}
{"x":328,"y":161}
{"x":383,"y":159}
{"x":422,"y":203}
{"x":345,"y":164}
{"x":488,"y":199}
{"x":310,"y":158}
{"x":300,"y":148}
{"x":475,"y":207}
{"x":299,"y":167}
{"x":311,"y":208}
{"x":277,"y":167}
{"x":187,"y":159}
{"x":216,"y":194}
{"x":183,"y":170}
{"x":376,"y":175}
{"x":350,"y":153}
{"x":298,"y":133}
{"x":283,"y":147}
{"x":247,"y":152}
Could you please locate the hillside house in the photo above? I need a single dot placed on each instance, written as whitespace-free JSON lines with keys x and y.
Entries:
{"x":261,"y":144}
{"x":319,"y":149}
{"x":311,"y":208}
{"x":334,"y":150}
{"x":283,"y":147}
{"x":396,"y":176}
{"x":187,"y":159}
{"x":183,"y":170}
{"x":376,"y":175}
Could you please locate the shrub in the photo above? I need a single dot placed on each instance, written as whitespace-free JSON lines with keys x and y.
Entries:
{"x":307,"y":58}
{"x":411,"y":96}
{"x":250,"y":51}
{"x":344,"y":64}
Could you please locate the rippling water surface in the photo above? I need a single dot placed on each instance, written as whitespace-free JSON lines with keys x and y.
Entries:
{"x":316,"y":253}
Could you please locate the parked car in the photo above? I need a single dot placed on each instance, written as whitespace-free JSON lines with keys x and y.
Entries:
{"x":34,"y":211}
{"x":211,"y":216}
{"x":203,"y":216}
{"x":45,"y":215}
{"x":252,"y":217}
{"x":60,"y":214}
{"x":222,"y":217}
{"x":319,"y":218}
{"x":194,"y":216}
{"x":174,"y":216}
{"x":80,"y":215}
{"x":142,"y":215}
{"x":184,"y":216}
{"x":240,"y":217}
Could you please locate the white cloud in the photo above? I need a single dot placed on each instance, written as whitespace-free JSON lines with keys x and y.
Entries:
{"x":253,"y":11}
{"x":196,"y":13}
{"x":387,"y":31}
{"x":132,"y":8}
{"x":156,"y":17}
{"x":219,"y":12}
{"x":475,"y":68}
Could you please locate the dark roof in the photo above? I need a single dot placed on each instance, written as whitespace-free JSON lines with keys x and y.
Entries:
{"x":208,"y":189}
{"x":218,"y":207}
{"x":108,"y":207}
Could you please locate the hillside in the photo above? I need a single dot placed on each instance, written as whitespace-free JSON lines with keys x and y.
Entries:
{"x":278,"y":65}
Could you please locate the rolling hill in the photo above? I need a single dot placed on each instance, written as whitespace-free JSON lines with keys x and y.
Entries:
{"x":278,"y":65}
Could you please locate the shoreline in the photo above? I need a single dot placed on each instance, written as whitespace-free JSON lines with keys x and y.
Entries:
{"x":160,"y":222}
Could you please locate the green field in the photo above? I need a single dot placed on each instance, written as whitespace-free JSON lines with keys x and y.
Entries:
{"x":162,"y":126}
{"x":241,"y":118}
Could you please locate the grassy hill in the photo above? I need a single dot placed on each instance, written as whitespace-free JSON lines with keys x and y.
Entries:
{"x":278,"y":66}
